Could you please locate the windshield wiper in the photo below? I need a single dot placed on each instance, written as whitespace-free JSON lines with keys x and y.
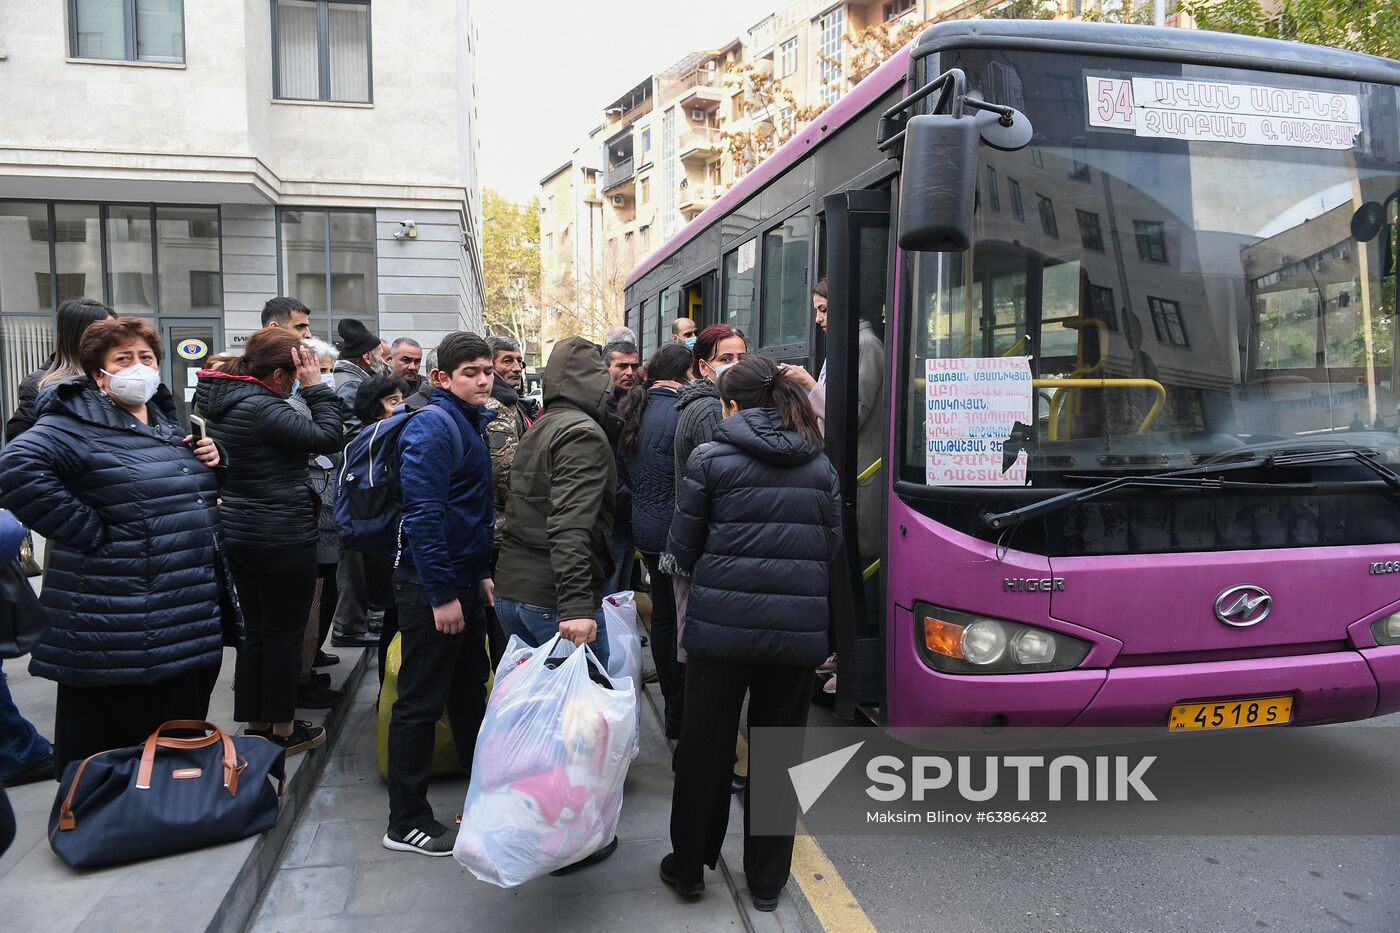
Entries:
{"x":1190,"y":478}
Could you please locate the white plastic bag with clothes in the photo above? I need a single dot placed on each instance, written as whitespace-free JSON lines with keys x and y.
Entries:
{"x":551,"y":759}
{"x":625,"y":649}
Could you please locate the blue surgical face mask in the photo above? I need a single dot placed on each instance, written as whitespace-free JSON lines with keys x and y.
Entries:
{"x":296,"y":386}
{"x":328,"y":380}
{"x":720,"y":369}
{"x":690,"y":342}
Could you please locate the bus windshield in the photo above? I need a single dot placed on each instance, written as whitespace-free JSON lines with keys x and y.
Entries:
{"x":1202,"y":265}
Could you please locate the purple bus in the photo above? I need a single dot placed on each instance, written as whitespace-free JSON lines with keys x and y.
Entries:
{"x":1111,"y":372}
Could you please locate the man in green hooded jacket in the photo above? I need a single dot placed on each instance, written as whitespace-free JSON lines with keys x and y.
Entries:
{"x":555,"y":554}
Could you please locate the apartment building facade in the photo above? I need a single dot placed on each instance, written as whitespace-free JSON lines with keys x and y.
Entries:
{"x":187,"y":161}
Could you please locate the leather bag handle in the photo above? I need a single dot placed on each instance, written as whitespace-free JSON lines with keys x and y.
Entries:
{"x":232,"y":769}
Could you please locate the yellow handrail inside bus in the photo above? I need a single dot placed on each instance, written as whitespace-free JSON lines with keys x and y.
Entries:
{"x":871,"y":571}
{"x":870,"y":471}
{"x":1062,"y":385}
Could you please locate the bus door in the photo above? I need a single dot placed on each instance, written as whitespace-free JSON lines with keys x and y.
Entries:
{"x":697,"y":300}
{"x":858,"y":242}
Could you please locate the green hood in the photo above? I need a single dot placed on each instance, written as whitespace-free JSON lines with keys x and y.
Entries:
{"x":575,"y":375}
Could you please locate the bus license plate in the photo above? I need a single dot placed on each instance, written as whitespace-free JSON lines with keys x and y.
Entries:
{"x":1232,"y":714}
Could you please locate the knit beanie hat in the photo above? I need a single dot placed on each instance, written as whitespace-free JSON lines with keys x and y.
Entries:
{"x":355,"y":338}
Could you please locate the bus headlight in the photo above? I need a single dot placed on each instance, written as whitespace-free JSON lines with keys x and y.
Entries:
{"x":983,"y":642}
{"x":1387,"y":630}
{"x":963,"y":643}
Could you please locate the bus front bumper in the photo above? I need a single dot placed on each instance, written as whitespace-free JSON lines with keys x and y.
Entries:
{"x":1333,"y":687}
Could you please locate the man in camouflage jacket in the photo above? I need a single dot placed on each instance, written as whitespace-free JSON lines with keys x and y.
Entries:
{"x":513,"y":415}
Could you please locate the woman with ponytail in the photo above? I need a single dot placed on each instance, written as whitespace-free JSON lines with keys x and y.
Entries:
{"x":649,"y":418}
{"x":757,"y":522}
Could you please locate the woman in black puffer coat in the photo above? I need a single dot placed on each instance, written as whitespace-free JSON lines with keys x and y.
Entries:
{"x":757,"y":523}
{"x":647,"y":445}
{"x":269,"y":513}
{"x":129,"y":501}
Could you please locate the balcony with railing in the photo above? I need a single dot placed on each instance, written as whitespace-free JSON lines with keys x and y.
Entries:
{"x":618,"y":176}
{"x":700,"y":143}
{"x":701,"y":89}
{"x":692,"y":199}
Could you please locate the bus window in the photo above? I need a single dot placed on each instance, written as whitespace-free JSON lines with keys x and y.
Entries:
{"x":786,"y":250}
{"x":739,"y":286}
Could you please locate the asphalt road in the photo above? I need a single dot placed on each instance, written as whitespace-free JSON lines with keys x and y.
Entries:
{"x":1068,"y":882}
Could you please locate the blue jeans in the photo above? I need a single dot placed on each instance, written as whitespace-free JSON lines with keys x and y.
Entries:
{"x":624,"y":555}
{"x":536,"y":625}
{"x":21,"y":745}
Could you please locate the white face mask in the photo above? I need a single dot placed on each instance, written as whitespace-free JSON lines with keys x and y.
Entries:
{"x":719,"y":368}
{"x":134,"y":385}
{"x":328,"y":379}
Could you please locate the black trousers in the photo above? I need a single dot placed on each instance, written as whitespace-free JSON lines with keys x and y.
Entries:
{"x":437,"y":672}
{"x":714,"y":696}
{"x":275,"y":588}
{"x":670,"y":673}
{"x":88,"y":720}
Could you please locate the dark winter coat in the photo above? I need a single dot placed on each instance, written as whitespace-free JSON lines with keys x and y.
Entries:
{"x":757,"y":524}
{"x":555,"y":551}
{"x":448,"y":520}
{"x":132,"y":517}
{"x":268,"y":500}
{"x":622,"y":506}
{"x":24,"y":414}
{"x":348,"y":376}
{"x":700,"y":413}
{"x":653,"y":471}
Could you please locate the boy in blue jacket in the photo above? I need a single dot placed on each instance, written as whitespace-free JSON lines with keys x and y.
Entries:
{"x":442,"y":584}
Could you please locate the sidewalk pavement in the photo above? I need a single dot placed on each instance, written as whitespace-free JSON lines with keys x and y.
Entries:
{"x":211,"y":889}
{"x":323,"y":867}
{"x":337,"y":876}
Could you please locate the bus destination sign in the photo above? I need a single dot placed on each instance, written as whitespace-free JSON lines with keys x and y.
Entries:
{"x":972,"y":406}
{"x":1219,"y":111}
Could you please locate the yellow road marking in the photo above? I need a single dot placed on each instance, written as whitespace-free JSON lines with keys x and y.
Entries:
{"x":835,"y":905}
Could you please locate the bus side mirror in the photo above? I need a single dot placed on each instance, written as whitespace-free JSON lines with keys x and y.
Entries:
{"x":938,"y":184}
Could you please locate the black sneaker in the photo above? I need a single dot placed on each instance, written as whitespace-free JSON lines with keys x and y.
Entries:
{"x":668,"y":876}
{"x":316,"y":695}
{"x":433,"y":839}
{"x":354,"y":639}
{"x":587,"y":860}
{"x":41,"y":770}
{"x":325,"y":659}
{"x":304,"y":736}
{"x":765,"y":904}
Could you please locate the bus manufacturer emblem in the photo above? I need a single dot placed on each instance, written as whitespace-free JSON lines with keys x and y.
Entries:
{"x":1242,"y":606}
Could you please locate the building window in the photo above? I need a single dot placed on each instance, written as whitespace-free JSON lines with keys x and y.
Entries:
{"x":328,"y":263}
{"x":993,"y":192}
{"x":644,"y":191}
{"x":787,"y":58}
{"x":548,"y":242}
{"x":1166,"y":321}
{"x":897,"y":8}
{"x":321,"y":50}
{"x":127,"y":30}
{"x":137,"y":258}
{"x":1078,"y":167}
{"x":786,"y":251}
{"x":833,"y":29}
{"x":1047,"y":217}
{"x":1101,"y":306}
{"x":646,"y":139}
{"x":1090,"y":233}
{"x":1017,"y":210}
{"x":1037,"y":159}
{"x":1151,"y":240}
{"x":670,"y":191}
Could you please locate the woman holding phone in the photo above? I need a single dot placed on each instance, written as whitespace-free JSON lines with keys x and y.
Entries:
{"x":127,"y":496}
{"x":269,"y":514}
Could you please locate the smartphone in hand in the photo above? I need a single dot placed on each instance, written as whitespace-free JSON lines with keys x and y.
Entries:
{"x":198,"y":426}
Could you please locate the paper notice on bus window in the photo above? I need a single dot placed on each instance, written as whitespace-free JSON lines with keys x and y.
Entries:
{"x":1219,"y":111}
{"x":748,"y":252}
{"x":971,"y":408}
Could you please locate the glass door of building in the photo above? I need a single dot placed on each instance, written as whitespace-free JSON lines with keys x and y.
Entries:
{"x":188,"y":345}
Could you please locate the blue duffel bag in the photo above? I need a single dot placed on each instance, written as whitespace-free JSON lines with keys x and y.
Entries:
{"x":169,"y":795}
